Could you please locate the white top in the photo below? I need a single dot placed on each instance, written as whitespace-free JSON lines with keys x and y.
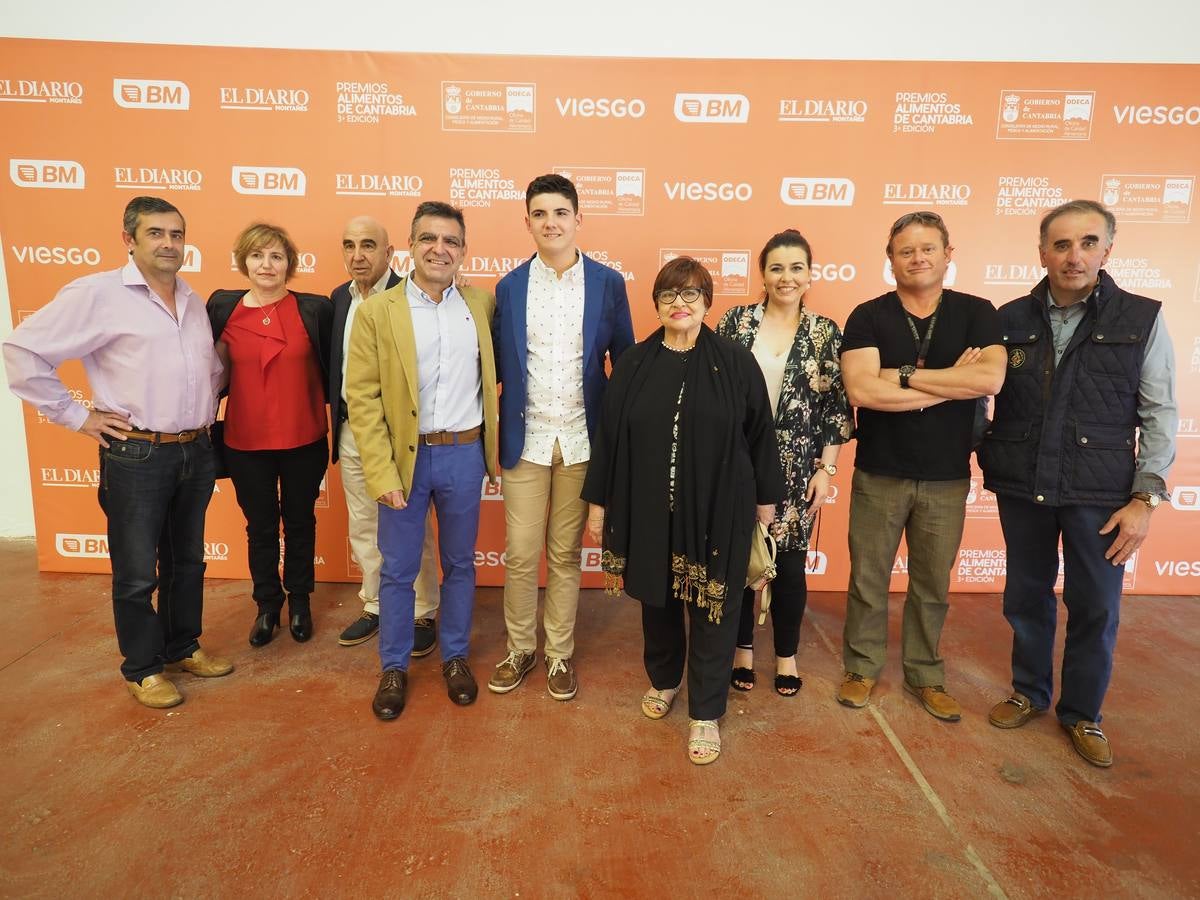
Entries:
{"x":554,"y":410}
{"x":449,"y":381}
{"x":356,"y":299}
{"x":772,"y":368}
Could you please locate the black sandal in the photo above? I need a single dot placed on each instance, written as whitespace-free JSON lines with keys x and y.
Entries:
{"x":741,"y":677}
{"x":788,"y":685}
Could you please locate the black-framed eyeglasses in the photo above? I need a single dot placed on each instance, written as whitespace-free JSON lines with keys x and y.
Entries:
{"x":689,"y":295}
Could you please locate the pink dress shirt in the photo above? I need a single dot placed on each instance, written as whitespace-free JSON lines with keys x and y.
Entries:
{"x":160,"y":373}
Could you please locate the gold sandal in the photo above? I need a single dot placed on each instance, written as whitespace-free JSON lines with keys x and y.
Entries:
{"x":703,"y":751}
{"x":656,"y":703}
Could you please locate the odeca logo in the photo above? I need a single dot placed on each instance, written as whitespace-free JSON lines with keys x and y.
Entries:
{"x":1186,"y":498}
{"x":728,"y":109}
{"x":143,"y":93}
{"x":890,"y":277}
{"x":817,"y":191}
{"x":708,"y":190}
{"x":81,"y":546}
{"x":600,"y":107}
{"x":273,"y":181}
{"x":64,"y":174}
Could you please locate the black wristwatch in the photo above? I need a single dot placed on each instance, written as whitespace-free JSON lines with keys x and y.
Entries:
{"x":906,"y":372}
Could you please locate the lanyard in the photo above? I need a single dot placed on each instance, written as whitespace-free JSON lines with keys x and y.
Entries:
{"x":923,"y":345}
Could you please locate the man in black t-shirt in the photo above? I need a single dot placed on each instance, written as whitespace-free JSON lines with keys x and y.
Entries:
{"x":914,"y":362}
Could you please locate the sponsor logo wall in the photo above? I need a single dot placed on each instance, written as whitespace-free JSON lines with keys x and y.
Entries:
{"x":705,"y":158}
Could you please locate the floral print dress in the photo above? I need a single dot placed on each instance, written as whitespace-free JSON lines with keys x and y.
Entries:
{"x":813,"y":411}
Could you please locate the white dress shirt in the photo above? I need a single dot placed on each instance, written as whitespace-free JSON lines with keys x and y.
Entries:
{"x":356,"y":300}
{"x":554,"y":409}
{"x":449,"y":379}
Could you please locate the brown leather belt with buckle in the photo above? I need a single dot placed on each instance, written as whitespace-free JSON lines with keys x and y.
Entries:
{"x":164,"y":437}
{"x":440,"y":438}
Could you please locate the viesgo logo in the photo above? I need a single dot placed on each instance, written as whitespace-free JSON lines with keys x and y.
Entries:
{"x":273,"y":181}
{"x":728,"y":109}
{"x":817,"y":191}
{"x":56,"y":256}
{"x":1156,"y":115}
{"x":708,"y":190}
{"x":64,"y":174}
{"x":81,"y":546}
{"x":600,"y":107}
{"x":151,"y":93}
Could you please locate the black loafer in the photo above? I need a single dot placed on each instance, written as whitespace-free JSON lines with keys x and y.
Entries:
{"x":300,"y":624}
{"x":264,"y":629}
{"x":424,"y":636}
{"x":389,"y":698}
{"x":360,"y":630}
{"x":460,"y":683}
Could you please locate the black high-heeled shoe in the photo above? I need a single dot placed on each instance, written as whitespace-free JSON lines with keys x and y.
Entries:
{"x":263,"y":629}
{"x":300,"y":622}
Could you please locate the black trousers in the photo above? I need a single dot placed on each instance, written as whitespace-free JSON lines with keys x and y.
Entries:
{"x":272,"y":485}
{"x":706,"y":647}
{"x":789,"y":597}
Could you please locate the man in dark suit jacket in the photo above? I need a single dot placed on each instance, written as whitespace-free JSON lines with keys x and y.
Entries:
{"x":368,"y":255}
{"x":557,"y":317}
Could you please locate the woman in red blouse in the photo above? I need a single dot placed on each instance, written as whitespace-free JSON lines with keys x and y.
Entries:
{"x":275,"y":347}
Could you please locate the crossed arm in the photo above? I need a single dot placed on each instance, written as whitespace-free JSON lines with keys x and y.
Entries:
{"x":978,"y":372}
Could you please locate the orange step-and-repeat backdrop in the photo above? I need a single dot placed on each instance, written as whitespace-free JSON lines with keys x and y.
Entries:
{"x":707,"y":158}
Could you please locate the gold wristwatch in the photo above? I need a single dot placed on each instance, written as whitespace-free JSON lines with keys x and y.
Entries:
{"x":830,"y":468}
{"x":1151,"y":500}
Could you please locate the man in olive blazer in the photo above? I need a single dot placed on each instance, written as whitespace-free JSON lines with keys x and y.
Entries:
{"x":421,"y":389}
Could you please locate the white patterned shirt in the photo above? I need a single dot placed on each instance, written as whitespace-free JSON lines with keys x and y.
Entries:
{"x":554,"y":410}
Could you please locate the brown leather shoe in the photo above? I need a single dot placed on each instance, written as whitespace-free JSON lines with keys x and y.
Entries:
{"x":202,"y":665}
{"x":511,"y":671}
{"x":155,"y":691}
{"x":1013,"y":712}
{"x":855,"y":690}
{"x":1090,"y":743}
{"x":936,"y":701}
{"x":389,"y":698}
{"x":561,"y":681}
{"x":460,"y":683}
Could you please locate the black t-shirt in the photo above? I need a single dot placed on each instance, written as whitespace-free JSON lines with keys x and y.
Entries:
{"x":934,"y":444}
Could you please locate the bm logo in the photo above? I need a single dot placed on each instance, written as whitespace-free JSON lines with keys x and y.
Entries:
{"x":82,"y":546}
{"x":817,"y":191}
{"x":269,"y":180}
{"x":143,"y":93}
{"x":46,"y":173}
{"x":723,"y":108}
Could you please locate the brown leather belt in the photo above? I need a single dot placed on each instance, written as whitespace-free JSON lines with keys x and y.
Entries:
{"x":163,"y":437}
{"x":439,"y":438}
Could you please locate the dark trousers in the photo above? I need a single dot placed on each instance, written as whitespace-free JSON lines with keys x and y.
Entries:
{"x":155,"y":497}
{"x":706,"y":647}
{"x":275,"y":484}
{"x":789,"y":597}
{"x":1091,"y":592}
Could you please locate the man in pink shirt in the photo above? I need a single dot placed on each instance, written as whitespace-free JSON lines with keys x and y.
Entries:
{"x":146,"y":345}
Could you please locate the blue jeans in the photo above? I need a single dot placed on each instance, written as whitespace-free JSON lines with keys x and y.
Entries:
{"x":1091,"y":592}
{"x":450,"y":477}
{"x":155,"y":497}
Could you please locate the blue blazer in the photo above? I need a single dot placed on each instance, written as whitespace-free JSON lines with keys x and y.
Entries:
{"x":607,"y":328}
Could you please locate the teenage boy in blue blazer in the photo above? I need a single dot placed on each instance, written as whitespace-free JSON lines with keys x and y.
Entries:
{"x":557,"y":317}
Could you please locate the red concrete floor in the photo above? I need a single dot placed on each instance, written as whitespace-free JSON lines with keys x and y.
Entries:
{"x":277,"y":781}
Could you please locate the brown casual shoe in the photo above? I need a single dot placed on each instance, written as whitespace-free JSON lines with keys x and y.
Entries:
{"x":424,"y":636}
{"x":202,"y":665}
{"x":155,"y":691}
{"x":460,"y":683}
{"x":360,"y":630}
{"x":389,"y":698}
{"x":855,"y":690}
{"x":560,"y":678}
{"x":1090,"y":743}
{"x":936,"y":701}
{"x":1013,"y":712}
{"x":511,"y":671}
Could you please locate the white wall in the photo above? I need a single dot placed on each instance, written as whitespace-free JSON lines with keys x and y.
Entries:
{"x":1152,"y":31}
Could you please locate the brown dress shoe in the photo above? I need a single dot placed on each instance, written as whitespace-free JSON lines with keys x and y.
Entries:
{"x":389,"y":698}
{"x":855,"y":690}
{"x":155,"y":691}
{"x":561,"y":680}
{"x":460,"y":683}
{"x":936,"y":701}
{"x":511,"y":671}
{"x":1090,"y":743}
{"x":1013,"y":712}
{"x":202,"y":665}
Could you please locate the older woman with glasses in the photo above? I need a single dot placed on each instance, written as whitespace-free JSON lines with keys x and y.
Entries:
{"x":275,"y":346}
{"x":798,"y":353}
{"x":683,"y":463}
